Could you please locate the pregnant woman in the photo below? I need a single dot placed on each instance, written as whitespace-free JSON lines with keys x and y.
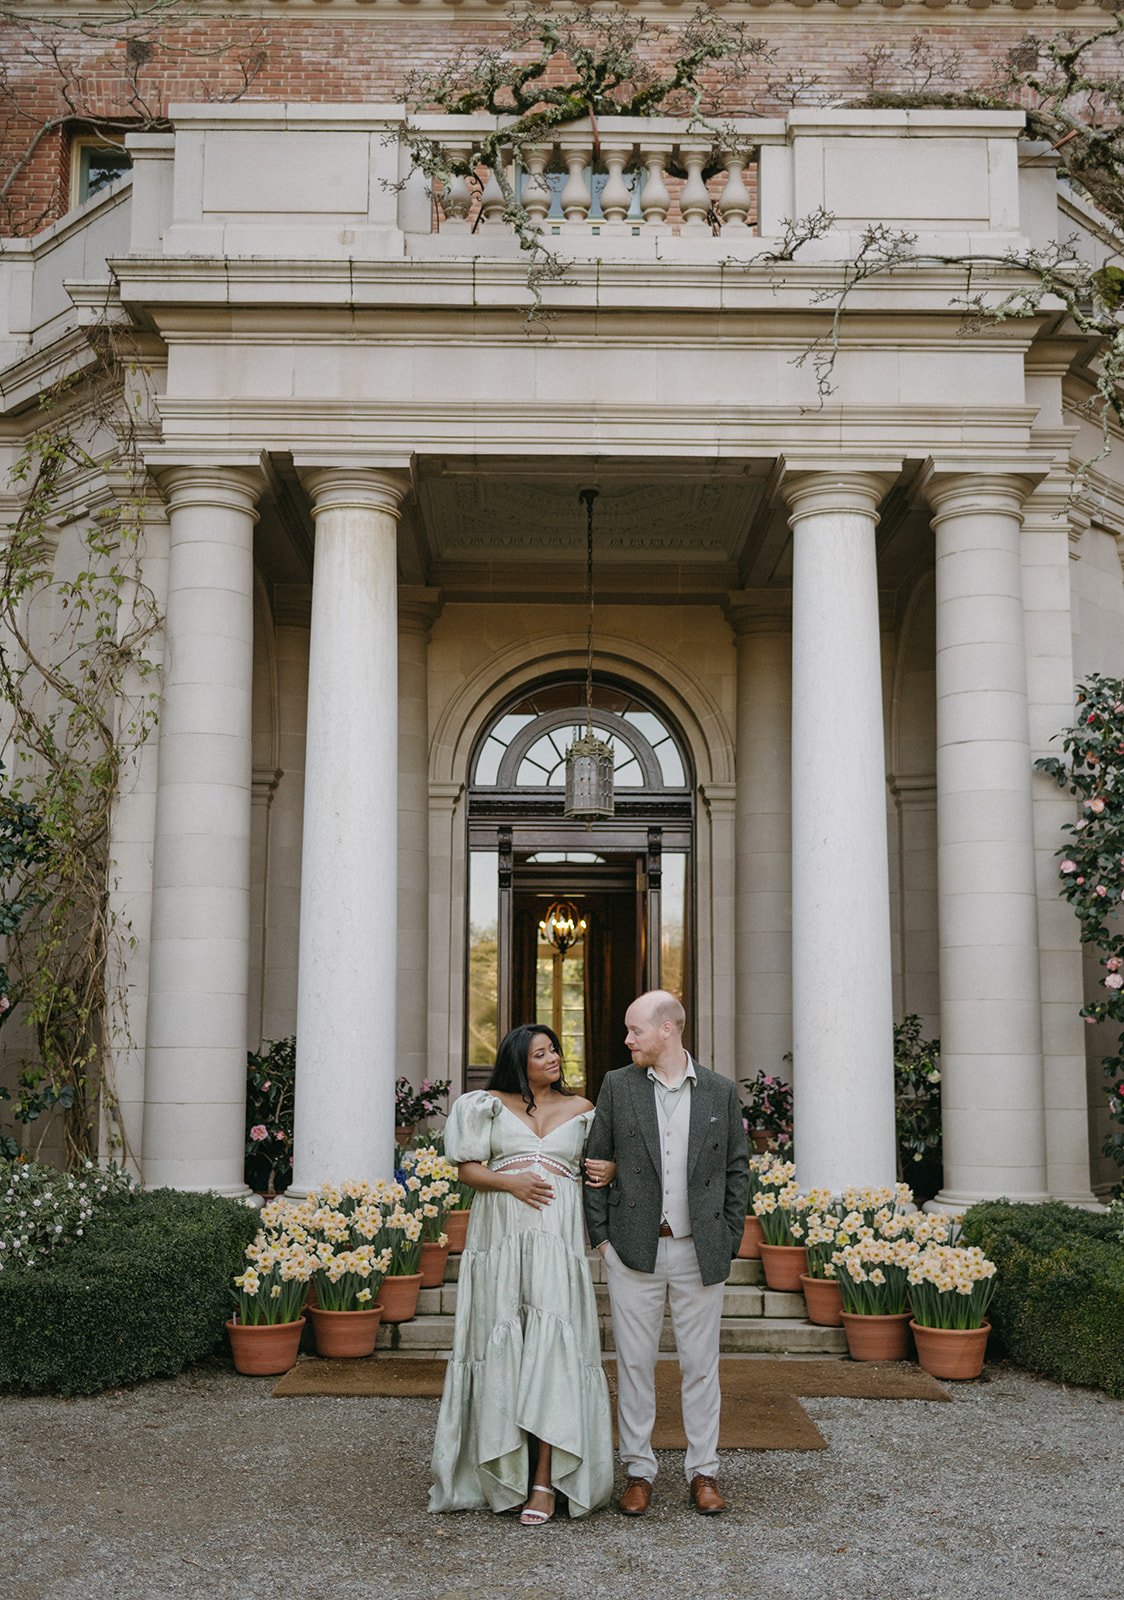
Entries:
{"x":524,"y":1386}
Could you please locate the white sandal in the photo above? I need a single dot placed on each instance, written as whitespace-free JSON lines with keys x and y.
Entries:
{"x":529,"y":1517}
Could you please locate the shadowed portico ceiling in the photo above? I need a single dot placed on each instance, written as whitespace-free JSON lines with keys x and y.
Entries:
{"x":681,"y":525}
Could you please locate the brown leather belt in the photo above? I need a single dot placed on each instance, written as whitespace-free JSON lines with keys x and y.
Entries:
{"x":665,"y":1231}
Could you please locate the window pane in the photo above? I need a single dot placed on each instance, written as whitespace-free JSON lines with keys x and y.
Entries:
{"x":483,"y":929}
{"x":98,"y":168}
{"x":673,"y":921}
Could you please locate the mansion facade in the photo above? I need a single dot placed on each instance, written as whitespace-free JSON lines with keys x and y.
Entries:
{"x":833,"y":627}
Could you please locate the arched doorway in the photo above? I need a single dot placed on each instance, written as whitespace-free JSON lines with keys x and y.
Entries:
{"x":629,"y":877}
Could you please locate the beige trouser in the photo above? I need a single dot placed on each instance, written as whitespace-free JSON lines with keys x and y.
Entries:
{"x":638,"y":1300}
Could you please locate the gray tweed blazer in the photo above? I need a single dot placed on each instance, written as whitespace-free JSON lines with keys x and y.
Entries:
{"x":626,"y":1130}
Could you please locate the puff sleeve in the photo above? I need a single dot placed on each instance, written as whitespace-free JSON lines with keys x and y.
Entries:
{"x":468,"y":1129}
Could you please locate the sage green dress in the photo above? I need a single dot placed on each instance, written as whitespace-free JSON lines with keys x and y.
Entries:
{"x":526,"y":1351}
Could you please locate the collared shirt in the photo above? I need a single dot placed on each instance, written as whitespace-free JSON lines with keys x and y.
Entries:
{"x":673,"y":1113}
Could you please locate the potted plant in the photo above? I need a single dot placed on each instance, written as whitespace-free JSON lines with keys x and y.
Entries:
{"x":752,"y":1234}
{"x":436,"y":1198}
{"x":412,"y":1106}
{"x":873,"y":1283}
{"x":950,"y":1289}
{"x":344,"y":1227}
{"x":767,"y":1112}
{"x":782,"y":1210}
{"x":265,"y":1330}
{"x":456,"y":1218}
{"x":824,"y":1235}
{"x":402,"y":1236}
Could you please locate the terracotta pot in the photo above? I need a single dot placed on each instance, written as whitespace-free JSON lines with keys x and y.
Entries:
{"x":760,"y":1140}
{"x":456,"y":1226}
{"x":267,"y":1349}
{"x":881,"y":1338}
{"x":345,"y":1333}
{"x":951,"y":1352}
{"x":398,"y":1297}
{"x":433,"y":1259}
{"x":783,"y":1265}
{"x":821,"y":1296}
{"x":403,"y":1133}
{"x":752,"y":1237}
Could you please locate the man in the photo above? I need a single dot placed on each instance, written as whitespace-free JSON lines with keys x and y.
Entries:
{"x":667,"y":1231}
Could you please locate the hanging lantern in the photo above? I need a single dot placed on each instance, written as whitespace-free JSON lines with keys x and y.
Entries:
{"x":562,"y":926}
{"x":589,"y":760}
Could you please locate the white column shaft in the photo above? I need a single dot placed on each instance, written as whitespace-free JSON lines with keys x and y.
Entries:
{"x":416,"y":611}
{"x":841,"y":969}
{"x":991,"y":1032}
{"x":195,"y":1080}
{"x":346,"y":1046}
{"x":763,"y":973}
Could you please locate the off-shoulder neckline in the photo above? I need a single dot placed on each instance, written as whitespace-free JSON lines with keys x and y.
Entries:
{"x":514,"y":1115}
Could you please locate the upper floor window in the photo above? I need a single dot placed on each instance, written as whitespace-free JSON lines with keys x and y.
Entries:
{"x":95,"y":164}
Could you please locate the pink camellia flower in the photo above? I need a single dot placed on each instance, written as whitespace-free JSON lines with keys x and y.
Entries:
{"x":1101,"y":890}
{"x":259,"y":1131}
{"x":1096,"y":805}
{"x":1114,"y":981}
{"x":1079,"y":880}
{"x":1092,"y":717}
{"x":1068,"y":866}
{"x":268,"y":1084}
{"x":5,"y":1003}
{"x":1114,"y":963}
{"x":1091,"y":1021}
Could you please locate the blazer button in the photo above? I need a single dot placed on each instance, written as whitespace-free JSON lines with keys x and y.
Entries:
{"x":632,"y":1203}
{"x":706,"y":1185}
{"x":716,"y":1144}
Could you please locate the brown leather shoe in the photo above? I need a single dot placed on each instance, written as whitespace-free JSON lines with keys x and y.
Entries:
{"x":635,"y":1497}
{"x":704,"y":1492}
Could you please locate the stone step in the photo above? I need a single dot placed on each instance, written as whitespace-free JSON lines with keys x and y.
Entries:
{"x":433,"y":1335}
{"x":739,"y":1300}
{"x":741,"y":1272}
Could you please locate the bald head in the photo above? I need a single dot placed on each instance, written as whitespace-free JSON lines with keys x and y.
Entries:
{"x":654,"y":1031}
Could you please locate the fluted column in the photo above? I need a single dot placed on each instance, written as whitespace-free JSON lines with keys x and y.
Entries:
{"x":195,"y":1078}
{"x":842,"y":1016}
{"x":347,"y":981}
{"x":417,"y":609}
{"x":762,"y":624}
{"x":991,"y":1033}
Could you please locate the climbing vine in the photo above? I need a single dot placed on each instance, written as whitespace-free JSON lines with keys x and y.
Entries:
{"x":79,"y":696}
{"x":1092,"y":865}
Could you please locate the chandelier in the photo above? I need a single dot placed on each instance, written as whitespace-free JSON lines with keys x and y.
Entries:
{"x":562,"y":926}
{"x":589,"y":760}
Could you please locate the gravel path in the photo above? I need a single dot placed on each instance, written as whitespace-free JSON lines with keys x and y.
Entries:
{"x":205,"y":1487}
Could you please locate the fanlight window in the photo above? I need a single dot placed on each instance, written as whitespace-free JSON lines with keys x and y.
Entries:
{"x":526,"y":747}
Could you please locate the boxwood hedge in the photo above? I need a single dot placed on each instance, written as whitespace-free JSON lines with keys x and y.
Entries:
{"x":1059,"y":1304}
{"x":144,"y":1292}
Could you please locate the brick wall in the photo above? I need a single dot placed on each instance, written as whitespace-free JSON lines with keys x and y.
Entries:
{"x":330,"y":58}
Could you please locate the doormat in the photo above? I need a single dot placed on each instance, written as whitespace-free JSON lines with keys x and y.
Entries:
{"x":760,"y":1405}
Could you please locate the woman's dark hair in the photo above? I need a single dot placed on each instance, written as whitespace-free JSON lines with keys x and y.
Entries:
{"x":510,"y":1071}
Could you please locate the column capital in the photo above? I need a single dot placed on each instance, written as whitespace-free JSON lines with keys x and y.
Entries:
{"x":233,"y":488}
{"x":826,"y":493}
{"x":958,"y":494}
{"x":349,"y":488}
{"x":418,"y":608}
{"x":753,"y":611}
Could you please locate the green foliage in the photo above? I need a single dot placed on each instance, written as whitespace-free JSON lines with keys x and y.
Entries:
{"x":42,"y":1209}
{"x":917,"y":1107}
{"x":270,"y":1087}
{"x":1092,"y":866}
{"x":144,"y":1292}
{"x":1059,"y":1301}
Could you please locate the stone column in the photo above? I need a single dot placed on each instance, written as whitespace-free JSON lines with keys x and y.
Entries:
{"x":417,"y":611}
{"x":762,"y":624}
{"x":842,"y":1013}
{"x":346,"y":989}
{"x":991,"y":1027}
{"x":195,"y":1079}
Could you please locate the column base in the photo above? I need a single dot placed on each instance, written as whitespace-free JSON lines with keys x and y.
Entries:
{"x":960,"y":1199}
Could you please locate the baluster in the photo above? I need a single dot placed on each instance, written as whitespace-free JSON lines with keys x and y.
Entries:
{"x":576,"y":197}
{"x":694,"y":202}
{"x":536,"y":193}
{"x":616,"y":197}
{"x":655,"y":201}
{"x":734,"y":201}
{"x":492,"y":204}
{"x":456,"y":196}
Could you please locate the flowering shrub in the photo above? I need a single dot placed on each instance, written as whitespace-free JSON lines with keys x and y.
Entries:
{"x":270,"y":1087}
{"x":767,"y":1108}
{"x":1092,"y":867}
{"x":415,"y":1105}
{"x":950,"y":1286}
{"x":917,"y":1106}
{"x":42,"y":1208}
